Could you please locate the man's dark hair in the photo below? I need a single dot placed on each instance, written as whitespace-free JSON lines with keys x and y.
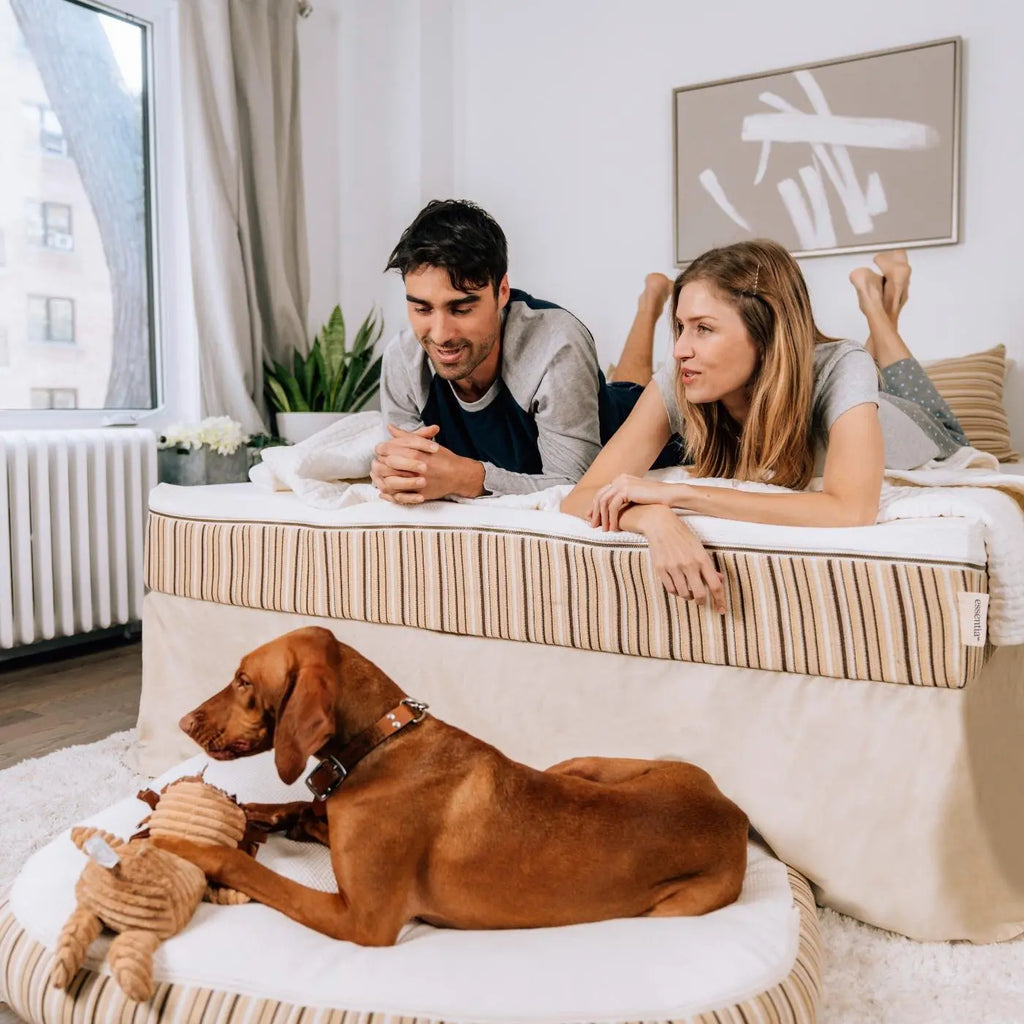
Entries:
{"x":459,"y":236}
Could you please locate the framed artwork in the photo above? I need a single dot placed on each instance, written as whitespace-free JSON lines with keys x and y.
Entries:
{"x":847,"y":155}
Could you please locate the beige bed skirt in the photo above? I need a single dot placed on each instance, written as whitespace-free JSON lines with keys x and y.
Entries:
{"x":903,"y":805}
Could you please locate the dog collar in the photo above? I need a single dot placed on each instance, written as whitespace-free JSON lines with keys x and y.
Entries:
{"x":335,"y":765}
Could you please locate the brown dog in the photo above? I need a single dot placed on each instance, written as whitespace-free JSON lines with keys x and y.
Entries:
{"x":437,"y":825}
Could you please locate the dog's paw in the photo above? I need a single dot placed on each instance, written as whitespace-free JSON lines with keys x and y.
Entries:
{"x":203,"y":856}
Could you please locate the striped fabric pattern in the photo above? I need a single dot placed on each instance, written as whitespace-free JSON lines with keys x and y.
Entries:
{"x":844,"y":616}
{"x":95,"y":998}
{"x":972,"y":385}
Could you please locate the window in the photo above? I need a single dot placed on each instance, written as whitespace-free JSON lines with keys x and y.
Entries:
{"x":46,"y":128}
{"x":5,"y":349}
{"x":53,"y":398}
{"x":51,"y":319}
{"x":49,"y":225}
{"x":51,"y":135}
{"x":95,"y":113}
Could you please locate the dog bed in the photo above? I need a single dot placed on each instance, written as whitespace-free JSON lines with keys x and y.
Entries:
{"x":758,"y":959}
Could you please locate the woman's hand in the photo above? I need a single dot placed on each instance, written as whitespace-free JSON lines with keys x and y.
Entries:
{"x":625,"y":490}
{"x":680,"y":561}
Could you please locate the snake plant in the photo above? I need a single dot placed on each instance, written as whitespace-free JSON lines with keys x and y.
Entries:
{"x":331,"y":377}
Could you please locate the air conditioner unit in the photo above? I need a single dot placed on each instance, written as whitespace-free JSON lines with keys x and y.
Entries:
{"x":53,"y":143}
{"x":59,"y":240}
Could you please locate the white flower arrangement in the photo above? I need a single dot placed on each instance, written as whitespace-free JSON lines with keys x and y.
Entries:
{"x":221,"y":433}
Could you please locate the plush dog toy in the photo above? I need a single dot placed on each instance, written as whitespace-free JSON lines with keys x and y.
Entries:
{"x":143,"y":893}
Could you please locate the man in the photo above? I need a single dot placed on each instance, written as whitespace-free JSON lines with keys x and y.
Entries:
{"x":489,"y":391}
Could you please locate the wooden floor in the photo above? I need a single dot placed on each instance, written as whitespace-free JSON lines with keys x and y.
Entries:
{"x":76,"y":695}
{"x":65,"y":697}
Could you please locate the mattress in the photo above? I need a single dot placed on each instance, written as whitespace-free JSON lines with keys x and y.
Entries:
{"x":888,"y":603}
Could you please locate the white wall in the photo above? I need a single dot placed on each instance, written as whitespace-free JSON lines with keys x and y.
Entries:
{"x":558,"y":115}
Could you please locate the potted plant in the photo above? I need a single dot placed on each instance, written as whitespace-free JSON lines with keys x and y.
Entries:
{"x":330,"y":381}
{"x":212,"y":451}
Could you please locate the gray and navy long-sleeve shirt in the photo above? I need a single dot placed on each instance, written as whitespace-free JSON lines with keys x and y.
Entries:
{"x":538,"y":425}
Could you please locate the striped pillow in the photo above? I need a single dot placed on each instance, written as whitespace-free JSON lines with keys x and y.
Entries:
{"x":973,"y":387}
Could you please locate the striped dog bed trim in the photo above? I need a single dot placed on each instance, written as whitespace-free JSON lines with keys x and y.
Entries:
{"x":95,"y":998}
{"x":848,"y":616}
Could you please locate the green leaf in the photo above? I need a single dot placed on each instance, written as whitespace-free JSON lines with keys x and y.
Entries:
{"x":354,"y":370}
{"x":334,"y":392}
{"x":276,"y":394}
{"x":317,"y":380}
{"x":308,"y":378}
{"x":332,"y":343}
{"x":368,"y":334}
{"x":296,"y":399}
{"x":368,"y":385}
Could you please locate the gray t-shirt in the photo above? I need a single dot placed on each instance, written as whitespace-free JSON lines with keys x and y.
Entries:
{"x":845,"y":376}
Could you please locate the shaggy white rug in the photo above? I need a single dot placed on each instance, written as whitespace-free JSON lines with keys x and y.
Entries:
{"x":871,"y":976}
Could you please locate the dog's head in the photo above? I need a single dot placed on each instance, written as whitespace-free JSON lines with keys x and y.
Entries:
{"x":283,"y":695}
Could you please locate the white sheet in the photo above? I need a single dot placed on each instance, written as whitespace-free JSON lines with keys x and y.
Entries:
{"x":632,"y":969}
{"x":956,"y":540}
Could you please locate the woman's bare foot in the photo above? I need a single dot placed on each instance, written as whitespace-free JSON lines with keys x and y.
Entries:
{"x":895,"y":268}
{"x":870,"y":289}
{"x":884,"y":343}
{"x":657,"y":289}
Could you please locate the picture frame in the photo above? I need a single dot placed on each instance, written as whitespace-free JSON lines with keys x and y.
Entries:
{"x":848,"y":155}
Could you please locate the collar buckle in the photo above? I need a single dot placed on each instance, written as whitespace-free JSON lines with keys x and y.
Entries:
{"x":326,"y":777}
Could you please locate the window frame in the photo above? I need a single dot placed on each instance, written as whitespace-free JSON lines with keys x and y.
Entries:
{"x":176,"y":372}
{"x":48,"y":338}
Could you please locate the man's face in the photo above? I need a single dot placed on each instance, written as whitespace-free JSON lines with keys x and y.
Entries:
{"x":458,"y":330}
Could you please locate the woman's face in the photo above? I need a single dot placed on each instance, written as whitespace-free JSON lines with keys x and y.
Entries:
{"x":717,"y":357}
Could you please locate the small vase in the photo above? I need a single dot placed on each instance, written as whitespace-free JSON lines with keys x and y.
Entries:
{"x":190,"y":467}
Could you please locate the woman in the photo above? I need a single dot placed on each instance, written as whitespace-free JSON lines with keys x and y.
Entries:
{"x":759,"y":393}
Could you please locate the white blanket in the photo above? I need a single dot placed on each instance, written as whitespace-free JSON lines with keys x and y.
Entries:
{"x":325,"y":470}
{"x":329,"y":470}
{"x":969,"y":485}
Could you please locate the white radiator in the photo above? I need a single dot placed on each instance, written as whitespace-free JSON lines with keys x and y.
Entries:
{"x":72,"y":530}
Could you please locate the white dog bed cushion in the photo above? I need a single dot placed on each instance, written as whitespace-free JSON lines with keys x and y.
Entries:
{"x":758,"y":959}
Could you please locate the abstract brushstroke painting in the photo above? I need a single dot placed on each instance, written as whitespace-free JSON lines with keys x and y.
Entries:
{"x":843,"y":156}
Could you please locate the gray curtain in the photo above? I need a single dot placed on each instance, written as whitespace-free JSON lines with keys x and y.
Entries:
{"x":246,"y":209}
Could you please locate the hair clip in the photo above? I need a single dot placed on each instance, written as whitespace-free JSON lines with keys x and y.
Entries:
{"x":757,"y":274}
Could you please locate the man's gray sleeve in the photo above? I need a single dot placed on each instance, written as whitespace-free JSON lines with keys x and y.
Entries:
{"x":400,"y":401}
{"x":565,"y":409}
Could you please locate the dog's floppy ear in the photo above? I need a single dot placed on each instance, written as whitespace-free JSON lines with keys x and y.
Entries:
{"x":305,"y":721}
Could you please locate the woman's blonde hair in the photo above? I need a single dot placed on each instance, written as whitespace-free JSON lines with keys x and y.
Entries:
{"x":763,"y":283}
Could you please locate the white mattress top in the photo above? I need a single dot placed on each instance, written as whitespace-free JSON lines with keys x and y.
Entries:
{"x":946,"y":539}
{"x":627,"y":969}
